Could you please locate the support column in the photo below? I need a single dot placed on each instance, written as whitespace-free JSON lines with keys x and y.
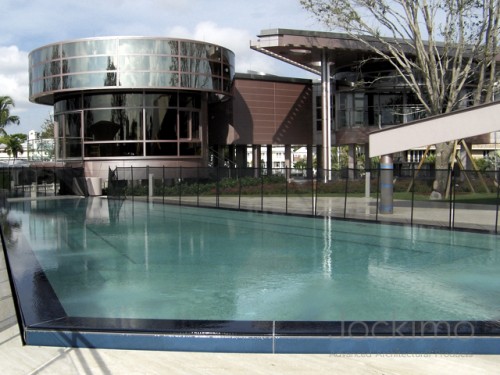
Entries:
{"x":309,"y":161}
{"x":269,"y":160}
{"x":319,"y":159}
{"x":241,"y":156}
{"x":256,"y":155}
{"x":230,"y":155}
{"x":220,"y":156}
{"x":288,"y":161}
{"x":351,"y":161}
{"x":386,"y":185}
{"x":368,"y":162}
{"x":326,"y":111}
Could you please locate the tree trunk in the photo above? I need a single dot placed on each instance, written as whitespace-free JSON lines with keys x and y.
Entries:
{"x":443,"y":155}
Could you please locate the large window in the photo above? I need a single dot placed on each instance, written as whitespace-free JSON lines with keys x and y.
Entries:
{"x":130,"y":125}
{"x":68,"y":135}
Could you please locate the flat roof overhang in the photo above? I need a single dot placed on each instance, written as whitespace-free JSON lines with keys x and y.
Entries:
{"x":304,"y":49}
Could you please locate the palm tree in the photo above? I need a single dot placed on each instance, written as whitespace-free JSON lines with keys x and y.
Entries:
{"x":13,"y":144}
{"x":6,"y":102}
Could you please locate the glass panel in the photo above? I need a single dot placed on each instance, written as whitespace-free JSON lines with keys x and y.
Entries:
{"x":189,"y":125}
{"x":44,"y":54}
{"x":195,"y":125}
{"x":145,"y":79}
{"x":161,"y":123}
{"x":226,"y":72}
{"x":113,"y":124}
{"x":112,"y":100}
{"x":184,"y":124}
{"x":161,"y":149}
{"x":190,"y":149}
{"x":189,"y":101}
{"x":72,"y":140}
{"x":59,"y":119}
{"x":197,"y":81}
{"x":113,"y":149}
{"x":199,"y":66}
{"x":161,"y":100}
{"x":148,"y":46}
{"x":190,"y":49}
{"x":68,"y":104}
{"x":89,"y":48}
{"x":89,"y":64}
{"x":149,"y":63}
{"x":89,"y":80}
{"x":46,"y":70}
{"x":51,"y":84}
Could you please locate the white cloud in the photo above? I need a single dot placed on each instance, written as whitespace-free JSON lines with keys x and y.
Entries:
{"x":14,"y":74}
{"x":14,"y":82}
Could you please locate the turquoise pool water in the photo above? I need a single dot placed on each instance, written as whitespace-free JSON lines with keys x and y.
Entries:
{"x":113,"y":259}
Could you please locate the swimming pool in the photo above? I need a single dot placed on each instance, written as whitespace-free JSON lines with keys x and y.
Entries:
{"x":97,"y":269}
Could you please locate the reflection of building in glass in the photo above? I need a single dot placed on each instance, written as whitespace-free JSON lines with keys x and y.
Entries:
{"x":140,"y":101}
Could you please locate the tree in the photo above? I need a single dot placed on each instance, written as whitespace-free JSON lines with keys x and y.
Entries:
{"x":48,"y":128}
{"x":14,"y":144}
{"x":6,"y":102}
{"x":444,"y":50}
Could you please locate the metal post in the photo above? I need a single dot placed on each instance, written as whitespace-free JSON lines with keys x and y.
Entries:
{"x":412,"y":192}
{"x":386,"y":185}
{"x":326,"y":111}
{"x":180,"y":185}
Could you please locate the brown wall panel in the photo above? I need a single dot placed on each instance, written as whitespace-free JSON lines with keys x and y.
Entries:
{"x":270,"y":112}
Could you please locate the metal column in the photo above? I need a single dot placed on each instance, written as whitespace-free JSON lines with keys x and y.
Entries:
{"x":386,"y":185}
{"x":326,"y":113}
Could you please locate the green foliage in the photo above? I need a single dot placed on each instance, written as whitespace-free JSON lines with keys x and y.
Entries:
{"x":484,"y":164}
{"x":13,"y":144}
{"x":6,"y":103}
{"x":48,"y":128}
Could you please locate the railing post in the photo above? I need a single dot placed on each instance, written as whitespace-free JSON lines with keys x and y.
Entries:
{"x":198,"y":186}
{"x":217,"y":188}
{"x":412,"y":192}
{"x":345,"y":193}
{"x":132,"y":181}
{"x":238,"y":171}
{"x":286,"y":195}
{"x":451,"y":221}
{"x":180,"y":185}
{"x":163,"y":186}
{"x":261,"y":191}
{"x":378,"y":192}
{"x":150,"y":184}
{"x":498,"y":202}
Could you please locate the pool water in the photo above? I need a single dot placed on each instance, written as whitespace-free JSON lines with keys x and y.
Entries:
{"x":124,"y":259}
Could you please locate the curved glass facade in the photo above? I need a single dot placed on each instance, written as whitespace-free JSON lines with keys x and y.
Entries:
{"x":123,"y":98}
{"x":135,"y":63}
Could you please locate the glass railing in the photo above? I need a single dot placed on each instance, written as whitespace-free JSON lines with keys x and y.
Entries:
{"x":470,"y":202}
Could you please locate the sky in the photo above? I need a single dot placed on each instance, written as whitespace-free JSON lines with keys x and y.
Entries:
{"x":29,"y":24}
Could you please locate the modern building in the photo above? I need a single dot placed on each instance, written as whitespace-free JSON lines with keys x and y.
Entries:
{"x":352,"y":99}
{"x":140,"y":101}
{"x":131,"y":101}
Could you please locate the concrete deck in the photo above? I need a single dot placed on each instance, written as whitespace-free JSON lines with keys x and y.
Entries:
{"x":18,"y":359}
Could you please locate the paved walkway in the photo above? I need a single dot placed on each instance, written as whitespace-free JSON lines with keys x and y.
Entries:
{"x":18,"y":359}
